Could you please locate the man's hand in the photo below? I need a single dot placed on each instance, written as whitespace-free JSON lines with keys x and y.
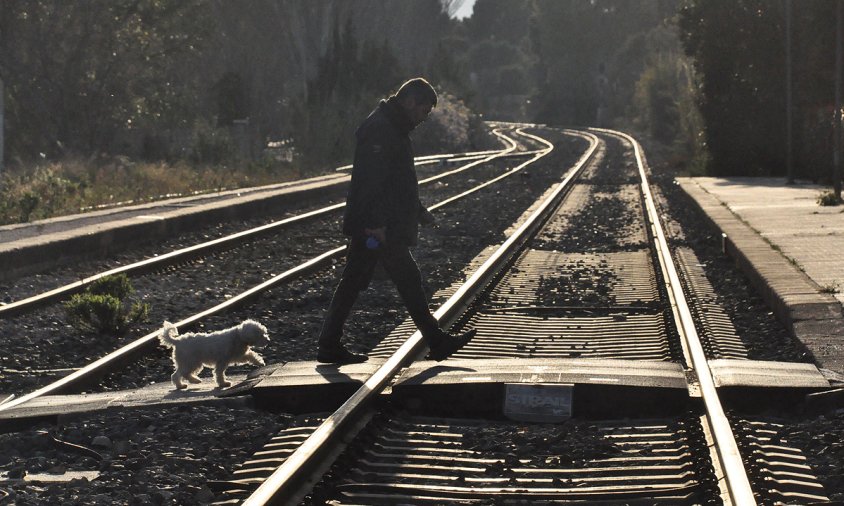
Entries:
{"x":378,"y":233}
{"x":426,"y":219}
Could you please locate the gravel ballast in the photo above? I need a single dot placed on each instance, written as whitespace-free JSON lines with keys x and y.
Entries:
{"x":158,"y":457}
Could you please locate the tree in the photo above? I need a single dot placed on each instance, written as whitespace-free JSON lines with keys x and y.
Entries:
{"x":86,"y":80}
{"x":77,"y":76}
{"x":2,"y":124}
{"x":348,"y":84}
{"x":738,"y":50}
{"x":498,"y":58}
{"x":574,"y":39}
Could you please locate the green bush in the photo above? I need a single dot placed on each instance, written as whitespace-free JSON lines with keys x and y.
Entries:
{"x":212,"y":145}
{"x":27,"y":203}
{"x":117,"y":286}
{"x":831,"y":288}
{"x":828,"y":199}
{"x":76,"y":185}
{"x":103,"y":307}
{"x":41,"y":193}
{"x":448,"y":129}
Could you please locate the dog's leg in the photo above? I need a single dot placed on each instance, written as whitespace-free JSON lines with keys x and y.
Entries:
{"x":220,"y":374}
{"x":176,"y":378}
{"x":253,"y":358}
{"x":193,"y":378}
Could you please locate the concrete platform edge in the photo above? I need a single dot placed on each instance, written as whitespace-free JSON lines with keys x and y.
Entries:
{"x":815,"y":319}
{"x":102,"y":241}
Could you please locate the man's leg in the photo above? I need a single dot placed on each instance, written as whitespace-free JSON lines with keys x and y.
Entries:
{"x":360,"y":264}
{"x":402,"y":268}
{"x":403,"y":271}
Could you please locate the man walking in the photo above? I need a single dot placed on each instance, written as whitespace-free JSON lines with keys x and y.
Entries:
{"x":382,"y":218}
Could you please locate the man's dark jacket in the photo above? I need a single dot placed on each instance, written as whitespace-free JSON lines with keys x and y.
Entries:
{"x":384,"y":190}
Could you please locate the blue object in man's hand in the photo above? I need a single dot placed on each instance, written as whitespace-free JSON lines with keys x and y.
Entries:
{"x":372,"y":242}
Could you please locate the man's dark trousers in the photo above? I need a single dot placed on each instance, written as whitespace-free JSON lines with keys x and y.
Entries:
{"x":360,"y":266}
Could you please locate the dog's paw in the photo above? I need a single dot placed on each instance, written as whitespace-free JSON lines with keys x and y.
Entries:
{"x":261,"y":361}
{"x":224,"y":384}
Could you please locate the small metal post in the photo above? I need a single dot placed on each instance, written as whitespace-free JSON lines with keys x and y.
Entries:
{"x":836,"y":130}
{"x":788,"y":116}
{"x":2,"y":123}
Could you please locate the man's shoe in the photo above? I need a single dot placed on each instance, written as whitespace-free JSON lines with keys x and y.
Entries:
{"x":446,"y":345}
{"x":340,"y":356}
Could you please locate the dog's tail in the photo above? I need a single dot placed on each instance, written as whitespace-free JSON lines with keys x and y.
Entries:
{"x":167,"y":334}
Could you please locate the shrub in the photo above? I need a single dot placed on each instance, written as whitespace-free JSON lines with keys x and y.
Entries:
{"x":831,"y":288}
{"x":76,"y":185}
{"x":42,"y":193}
{"x":212,"y":145}
{"x":27,"y":203}
{"x":103,"y":307}
{"x":118,"y":286}
{"x":448,"y":129}
{"x":828,"y":199}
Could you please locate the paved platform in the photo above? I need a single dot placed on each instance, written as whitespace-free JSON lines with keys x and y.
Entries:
{"x":792,"y":250}
{"x":31,"y":247}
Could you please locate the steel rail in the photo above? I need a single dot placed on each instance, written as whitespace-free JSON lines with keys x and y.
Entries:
{"x":88,"y":374}
{"x":428,"y":159}
{"x":494,"y":180}
{"x":62,"y":292}
{"x":506,"y":152}
{"x":738,"y":484}
{"x":440,"y":159}
{"x":283,"y":485}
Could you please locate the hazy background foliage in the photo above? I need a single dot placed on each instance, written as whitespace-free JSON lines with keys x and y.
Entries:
{"x":738,"y":48}
{"x":114,"y":100}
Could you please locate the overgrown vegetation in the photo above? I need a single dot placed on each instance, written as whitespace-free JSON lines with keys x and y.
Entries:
{"x":105,"y":307}
{"x":128,"y":100}
{"x":738,"y":49}
{"x":85,"y":80}
{"x":831,"y":289}
{"x":76,"y":185}
{"x":611,"y":63}
{"x":188,"y":84}
{"x":828,"y":198}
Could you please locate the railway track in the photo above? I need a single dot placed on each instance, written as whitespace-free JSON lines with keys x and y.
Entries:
{"x":568,"y":299}
{"x":404,"y":456}
{"x":301,"y":263}
{"x":174,"y":258}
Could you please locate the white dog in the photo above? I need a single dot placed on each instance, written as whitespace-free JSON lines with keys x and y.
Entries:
{"x":217,"y":350}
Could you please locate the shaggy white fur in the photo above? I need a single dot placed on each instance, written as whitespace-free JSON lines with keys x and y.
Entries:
{"x":217,"y":350}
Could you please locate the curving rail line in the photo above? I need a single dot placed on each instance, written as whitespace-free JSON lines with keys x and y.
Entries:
{"x":180,"y":255}
{"x":89,"y":374}
{"x":702,"y":384}
{"x":288,"y":482}
{"x":284,"y":483}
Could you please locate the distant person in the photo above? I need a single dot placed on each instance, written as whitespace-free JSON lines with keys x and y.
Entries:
{"x":382,"y":218}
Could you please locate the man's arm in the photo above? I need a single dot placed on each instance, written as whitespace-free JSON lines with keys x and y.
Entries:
{"x":379,"y":233}
{"x":425,"y":216}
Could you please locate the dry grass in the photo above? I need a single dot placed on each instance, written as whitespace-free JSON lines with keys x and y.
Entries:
{"x":74,"y":186}
{"x":828,"y":198}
